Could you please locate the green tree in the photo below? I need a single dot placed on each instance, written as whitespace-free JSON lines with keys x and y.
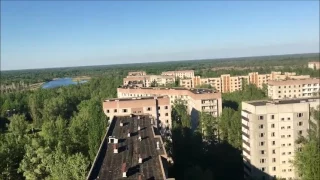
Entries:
{"x":18,"y":125}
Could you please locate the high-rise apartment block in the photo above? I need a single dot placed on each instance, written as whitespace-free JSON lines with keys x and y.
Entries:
{"x":227,"y":83}
{"x":157,"y":107}
{"x":314,"y":65}
{"x":288,"y":89}
{"x":196,"y":100}
{"x":269,"y":131}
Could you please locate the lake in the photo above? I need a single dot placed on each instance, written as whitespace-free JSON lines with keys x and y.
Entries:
{"x":60,"y":82}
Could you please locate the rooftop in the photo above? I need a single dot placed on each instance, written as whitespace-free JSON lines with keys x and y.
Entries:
{"x":283,"y":101}
{"x":134,"y":98}
{"x":112,"y":165}
{"x":195,"y":91}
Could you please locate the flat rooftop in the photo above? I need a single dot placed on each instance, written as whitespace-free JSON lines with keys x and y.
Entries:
{"x":282,"y":101}
{"x":135,"y":98}
{"x":194,"y":91}
{"x":129,"y":149}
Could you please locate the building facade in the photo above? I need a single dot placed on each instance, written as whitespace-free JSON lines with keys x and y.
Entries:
{"x":196,"y":100}
{"x":314,"y":65}
{"x":179,"y":74}
{"x":137,"y":73}
{"x":158,"y":107}
{"x":149,"y":80}
{"x":269,"y":131}
{"x":288,"y":89}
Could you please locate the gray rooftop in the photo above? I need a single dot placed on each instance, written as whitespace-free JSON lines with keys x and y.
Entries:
{"x":282,"y":101}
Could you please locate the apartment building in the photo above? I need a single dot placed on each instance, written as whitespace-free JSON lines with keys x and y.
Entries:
{"x":288,"y":89}
{"x":269,"y":131}
{"x":147,"y":80}
{"x":137,"y":73}
{"x":196,"y":100}
{"x":158,"y":107}
{"x":179,"y":74}
{"x":314,"y":65}
{"x":227,"y":83}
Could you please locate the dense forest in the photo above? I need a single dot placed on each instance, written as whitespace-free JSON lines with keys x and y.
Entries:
{"x":55,"y":133}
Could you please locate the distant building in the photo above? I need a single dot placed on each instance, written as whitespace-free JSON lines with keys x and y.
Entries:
{"x":157,"y":107}
{"x":196,"y":100}
{"x":149,"y":80}
{"x":131,"y":149}
{"x":288,"y":89}
{"x":183,"y":74}
{"x":137,"y":73}
{"x":227,"y":83}
{"x":269,"y":131}
{"x":314,"y":65}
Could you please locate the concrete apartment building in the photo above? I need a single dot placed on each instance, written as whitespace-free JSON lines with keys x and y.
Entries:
{"x":288,"y":89}
{"x":157,"y":107}
{"x":314,"y":65}
{"x":269,"y":131}
{"x":137,"y":73}
{"x":183,"y":74}
{"x":196,"y":100}
{"x":227,"y":83}
{"x":147,"y":80}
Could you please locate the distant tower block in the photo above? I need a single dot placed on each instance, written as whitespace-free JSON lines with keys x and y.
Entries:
{"x":140,"y":159}
{"x":115,"y":149}
{"x":123,"y":169}
{"x":158,"y":146}
{"x":139,"y":128}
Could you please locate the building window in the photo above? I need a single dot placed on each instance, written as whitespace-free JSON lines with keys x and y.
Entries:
{"x":158,"y":107}
{"x":300,"y":132}
{"x":283,"y":136}
{"x":272,"y":116}
{"x":273,"y":151}
{"x":262,"y":151}
{"x":260,"y":117}
{"x":289,"y":170}
{"x":262,"y":160}
{"x":272,"y":125}
{"x":288,"y":118}
{"x":166,"y":107}
{"x":149,"y":109}
{"x":261,"y":134}
{"x":288,"y":135}
{"x":273,"y":159}
{"x":300,"y":123}
{"x":300,"y":115}
{"x":260,"y":126}
{"x":288,"y":127}
{"x":282,"y":119}
{"x":263,"y":169}
{"x":273,"y":134}
{"x":124,"y":110}
{"x":115,"y":110}
{"x":283,"y":153}
{"x":289,"y":153}
{"x":283,"y":162}
{"x":274,"y":169}
{"x":289,"y":144}
{"x":283,"y":170}
{"x":262,"y":143}
{"x":108,"y":111}
{"x":273,"y":142}
{"x":166,"y":114}
{"x":282,"y":127}
{"x":283,"y":145}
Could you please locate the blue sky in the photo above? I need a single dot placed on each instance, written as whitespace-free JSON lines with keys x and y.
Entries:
{"x":77,"y":33}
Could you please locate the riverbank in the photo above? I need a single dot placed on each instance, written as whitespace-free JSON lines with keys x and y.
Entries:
{"x":81,"y":78}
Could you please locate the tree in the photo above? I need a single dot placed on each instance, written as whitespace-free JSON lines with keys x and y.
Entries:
{"x":307,"y":159}
{"x":18,"y":125}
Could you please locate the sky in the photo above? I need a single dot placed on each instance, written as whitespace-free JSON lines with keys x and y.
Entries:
{"x":47,"y":34}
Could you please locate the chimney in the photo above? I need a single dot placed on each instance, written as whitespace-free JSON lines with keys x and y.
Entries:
{"x":123,"y":169}
{"x":158,"y":146}
{"x":140,"y":159}
{"x":115,"y":149}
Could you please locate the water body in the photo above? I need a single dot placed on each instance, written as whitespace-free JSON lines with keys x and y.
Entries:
{"x":60,"y":82}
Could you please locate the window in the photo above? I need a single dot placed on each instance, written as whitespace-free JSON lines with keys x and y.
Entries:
{"x":289,"y":170}
{"x":108,"y":111}
{"x":289,"y":144}
{"x":272,"y":116}
{"x":288,"y":127}
{"x":273,"y":134}
{"x":300,"y":132}
{"x":289,"y":153}
{"x":300,"y":115}
{"x":274,"y":169}
{"x":283,"y":153}
{"x":288,"y":118}
{"x":282,"y":127}
{"x":272,"y":125}
{"x":262,"y":160}
{"x":273,"y":159}
{"x":262,"y":143}
{"x":124,"y":110}
{"x":261,"y":134}
{"x":273,"y":142}
{"x":260,"y":126}
{"x":262,"y":151}
{"x":115,"y":110}
{"x":283,"y":145}
{"x":149,"y":109}
{"x":300,"y":123}
{"x":158,"y":107}
{"x":282,"y":119}
{"x":166,"y":107}
{"x":283,"y":162}
{"x":283,"y":136}
{"x":260,"y":117}
{"x":273,"y":151}
{"x":288,"y":135}
{"x":283,"y":170}
{"x":166,"y":114}
{"x":263,"y":169}
{"x":279,"y":91}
